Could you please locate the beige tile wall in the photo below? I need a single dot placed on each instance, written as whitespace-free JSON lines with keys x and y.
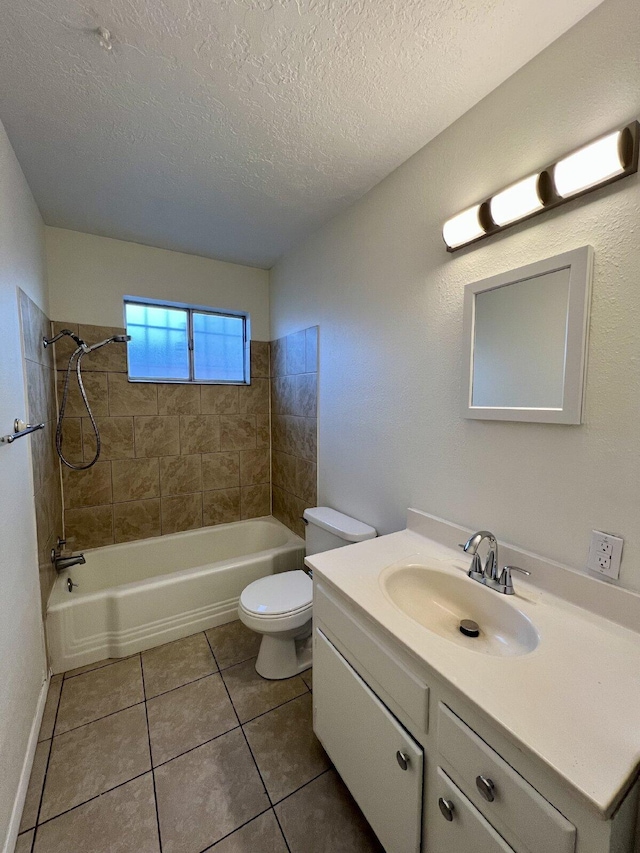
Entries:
{"x":294,"y":395}
{"x":174,"y":457}
{"x":41,"y":407}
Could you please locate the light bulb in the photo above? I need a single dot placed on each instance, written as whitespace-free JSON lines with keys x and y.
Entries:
{"x":590,"y":166}
{"x":463,"y":228}
{"x":516,"y":202}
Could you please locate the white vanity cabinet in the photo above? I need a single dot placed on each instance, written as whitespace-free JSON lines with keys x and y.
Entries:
{"x":377,"y":758}
{"x":466,"y":788}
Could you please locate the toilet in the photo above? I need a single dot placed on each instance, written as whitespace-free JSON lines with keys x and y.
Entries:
{"x":280,"y":606}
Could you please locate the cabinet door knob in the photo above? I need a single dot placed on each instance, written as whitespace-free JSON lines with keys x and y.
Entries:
{"x":486,"y":788}
{"x":447,"y":808}
{"x":403,"y":759}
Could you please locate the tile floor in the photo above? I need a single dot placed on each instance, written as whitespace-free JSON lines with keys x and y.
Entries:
{"x":185,"y":749}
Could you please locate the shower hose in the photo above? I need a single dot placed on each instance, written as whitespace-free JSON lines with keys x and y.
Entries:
{"x":79,"y":352}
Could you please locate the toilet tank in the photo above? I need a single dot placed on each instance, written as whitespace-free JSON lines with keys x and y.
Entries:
{"x":327,"y":528}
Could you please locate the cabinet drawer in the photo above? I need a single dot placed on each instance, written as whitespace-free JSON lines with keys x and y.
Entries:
{"x":363,"y":739}
{"x":504,"y":797}
{"x":386,"y":670}
{"x":467,"y":830}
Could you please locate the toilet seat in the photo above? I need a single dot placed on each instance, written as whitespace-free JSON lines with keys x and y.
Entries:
{"x":277,"y":596}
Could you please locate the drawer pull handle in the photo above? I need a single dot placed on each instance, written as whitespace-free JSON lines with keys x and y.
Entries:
{"x":447,"y":808}
{"x":486,"y":788}
{"x":403,"y":759}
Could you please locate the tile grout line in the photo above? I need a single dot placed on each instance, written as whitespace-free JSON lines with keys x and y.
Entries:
{"x":246,"y":740}
{"x":115,"y":787}
{"x":304,"y":785}
{"x":242,"y":825}
{"x":66,"y":676}
{"x":46,"y":772}
{"x":153,"y":775}
{"x":276,"y":707}
{"x":128,"y":657}
{"x":180,"y":686}
{"x":97,"y":719}
{"x":91,"y":799}
{"x":286,"y":842}
{"x":193,"y":748}
{"x":250,"y":752}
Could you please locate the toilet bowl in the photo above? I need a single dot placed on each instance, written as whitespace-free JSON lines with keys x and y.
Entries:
{"x":280,"y":606}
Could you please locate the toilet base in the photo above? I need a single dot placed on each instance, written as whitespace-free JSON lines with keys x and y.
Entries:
{"x":283,"y":657}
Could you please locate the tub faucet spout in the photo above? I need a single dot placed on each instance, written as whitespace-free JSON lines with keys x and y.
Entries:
{"x":63,"y":563}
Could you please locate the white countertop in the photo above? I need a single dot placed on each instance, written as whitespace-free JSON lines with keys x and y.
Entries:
{"x":574,"y":701}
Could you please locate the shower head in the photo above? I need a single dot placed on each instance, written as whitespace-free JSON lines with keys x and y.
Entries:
{"x":114,"y":339}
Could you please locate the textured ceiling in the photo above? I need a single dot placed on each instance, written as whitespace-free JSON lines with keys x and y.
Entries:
{"x":232,"y":128}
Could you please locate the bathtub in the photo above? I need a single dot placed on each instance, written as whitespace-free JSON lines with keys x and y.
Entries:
{"x":136,"y":595}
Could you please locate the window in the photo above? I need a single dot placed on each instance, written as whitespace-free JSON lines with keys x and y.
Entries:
{"x":171,"y":342}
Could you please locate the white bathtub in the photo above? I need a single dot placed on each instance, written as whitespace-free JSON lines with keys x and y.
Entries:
{"x":140,"y":594}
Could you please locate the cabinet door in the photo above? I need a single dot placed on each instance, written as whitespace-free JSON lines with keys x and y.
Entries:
{"x":364,"y":741}
{"x":466,"y":831}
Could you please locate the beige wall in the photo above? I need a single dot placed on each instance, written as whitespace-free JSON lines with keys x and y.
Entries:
{"x":388,"y":300}
{"x":22,"y":658}
{"x":89,"y":275}
{"x":173,"y":457}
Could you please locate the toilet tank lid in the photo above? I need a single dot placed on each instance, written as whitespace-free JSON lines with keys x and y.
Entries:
{"x":339,"y":524}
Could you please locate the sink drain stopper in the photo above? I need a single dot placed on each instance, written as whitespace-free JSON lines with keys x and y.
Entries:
{"x":469,"y":628}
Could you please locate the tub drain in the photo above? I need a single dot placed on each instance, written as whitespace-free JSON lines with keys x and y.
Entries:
{"x":469,"y":628}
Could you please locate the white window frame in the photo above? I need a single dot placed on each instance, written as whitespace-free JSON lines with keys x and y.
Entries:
{"x":191,"y":310}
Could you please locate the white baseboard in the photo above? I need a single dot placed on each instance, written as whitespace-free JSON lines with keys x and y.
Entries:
{"x":25,"y":775}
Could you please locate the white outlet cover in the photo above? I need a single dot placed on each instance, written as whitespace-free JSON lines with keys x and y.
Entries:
{"x":605,"y":554}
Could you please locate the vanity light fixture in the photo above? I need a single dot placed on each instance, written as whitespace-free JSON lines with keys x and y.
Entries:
{"x":597,"y":164}
{"x":590,"y":166}
{"x":463,"y":228}
{"x":516,"y":202}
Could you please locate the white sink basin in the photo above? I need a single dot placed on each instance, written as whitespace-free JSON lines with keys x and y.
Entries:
{"x":439,"y":600}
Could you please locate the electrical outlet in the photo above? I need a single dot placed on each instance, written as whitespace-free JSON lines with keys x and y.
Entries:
{"x":605,"y":554}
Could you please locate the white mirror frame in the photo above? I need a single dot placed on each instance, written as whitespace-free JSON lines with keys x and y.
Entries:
{"x":580,"y":265}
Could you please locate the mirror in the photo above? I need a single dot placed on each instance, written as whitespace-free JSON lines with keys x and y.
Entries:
{"x":526,"y":334}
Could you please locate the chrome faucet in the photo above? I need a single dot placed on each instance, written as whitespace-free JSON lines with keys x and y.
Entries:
{"x":477,"y":570}
{"x":63,"y":563}
{"x":489,"y":574}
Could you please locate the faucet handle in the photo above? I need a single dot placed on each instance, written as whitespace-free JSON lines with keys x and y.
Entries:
{"x":505,"y":581}
{"x":516,"y":569}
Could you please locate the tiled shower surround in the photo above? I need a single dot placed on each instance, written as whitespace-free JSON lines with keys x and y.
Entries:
{"x":294,"y":394}
{"x":177,"y":457}
{"x":41,"y":408}
{"x":174,"y":457}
